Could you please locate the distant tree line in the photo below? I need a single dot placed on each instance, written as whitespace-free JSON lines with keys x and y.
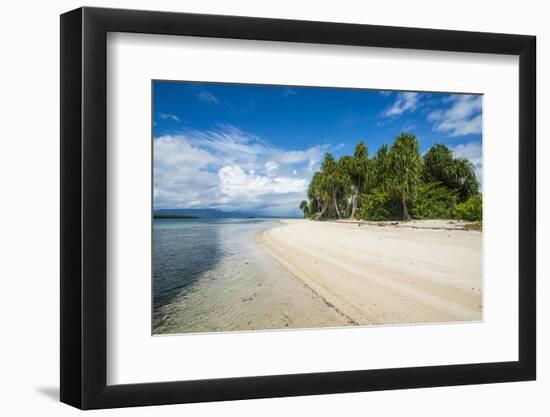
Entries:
{"x":396,"y":183}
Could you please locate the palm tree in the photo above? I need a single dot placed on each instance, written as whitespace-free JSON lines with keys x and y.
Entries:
{"x":359,"y":171}
{"x":304,"y":207}
{"x":392,"y":178}
{"x":334,"y":180}
{"x":317,"y":195}
{"x":347,"y":191}
{"x":379,"y":174}
{"x":405,"y":169}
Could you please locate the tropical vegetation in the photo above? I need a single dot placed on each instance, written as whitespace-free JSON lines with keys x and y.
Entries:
{"x":396,"y":183}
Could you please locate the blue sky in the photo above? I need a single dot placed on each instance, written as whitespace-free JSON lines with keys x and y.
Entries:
{"x":254,"y":148}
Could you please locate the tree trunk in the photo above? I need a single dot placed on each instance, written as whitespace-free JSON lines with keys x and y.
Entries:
{"x":321,"y":213}
{"x":354,"y":200}
{"x":336,"y":205}
{"x":353,"y":206}
{"x":406,"y":215}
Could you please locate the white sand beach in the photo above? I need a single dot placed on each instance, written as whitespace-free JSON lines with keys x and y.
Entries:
{"x":385,"y":273}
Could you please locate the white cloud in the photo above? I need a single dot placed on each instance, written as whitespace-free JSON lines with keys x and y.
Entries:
{"x":473,"y":151}
{"x":181,"y":173}
{"x":462,"y":118}
{"x":229,"y":169}
{"x":204,"y":96}
{"x":166,"y":116}
{"x":404,"y":102}
{"x":235,"y":183}
{"x":271,"y":168}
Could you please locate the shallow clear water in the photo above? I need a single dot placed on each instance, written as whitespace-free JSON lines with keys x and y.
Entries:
{"x":184,"y":249}
{"x":211,"y":275}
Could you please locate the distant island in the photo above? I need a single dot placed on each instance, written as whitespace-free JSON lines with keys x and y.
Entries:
{"x":188,"y":213}
{"x":173,"y":216}
{"x":208,"y":213}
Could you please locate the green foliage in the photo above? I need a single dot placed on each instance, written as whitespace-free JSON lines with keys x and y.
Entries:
{"x":345,"y":173}
{"x":360,"y":166}
{"x":434,"y":201}
{"x":376,"y":206}
{"x":304,"y":206}
{"x":465,"y":179}
{"x":359,"y":174}
{"x":317,"y":195}
{"x":330,"y":188}
{"x":471,"y":209}
{"x":353,"y":172}
{"x":394,"y":182}
{"x":457,"y":174}
{"x":405,"y":169}
{"x":378,"y":175}
{"x":438,"y":165}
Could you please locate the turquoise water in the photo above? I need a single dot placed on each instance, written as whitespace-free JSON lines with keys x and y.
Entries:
{"x":211,"y":275}
{"x":183,"y":249}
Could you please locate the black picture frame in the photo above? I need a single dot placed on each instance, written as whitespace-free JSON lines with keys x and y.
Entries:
{"x":84,"y":207}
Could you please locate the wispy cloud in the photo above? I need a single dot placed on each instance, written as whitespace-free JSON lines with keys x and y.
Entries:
{"x":408,"y":127}
{"x":404,"y":102}
{"x":229,"y":169}
{"x":167,"y":116}
{"x":462,"y":118}
{"x":204,"y":96}
{"x":228,"y":104}
{"x":288,"y":92}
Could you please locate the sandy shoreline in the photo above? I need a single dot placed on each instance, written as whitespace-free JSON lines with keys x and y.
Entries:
{"x":416,"y":272}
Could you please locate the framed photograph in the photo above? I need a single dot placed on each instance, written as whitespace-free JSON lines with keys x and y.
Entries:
{"x":257,"y":208}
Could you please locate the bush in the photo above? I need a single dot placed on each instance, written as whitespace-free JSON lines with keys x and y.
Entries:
{"x":434,"y":201}
{"x":471,"y":209}
{"x":375,"y":206}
